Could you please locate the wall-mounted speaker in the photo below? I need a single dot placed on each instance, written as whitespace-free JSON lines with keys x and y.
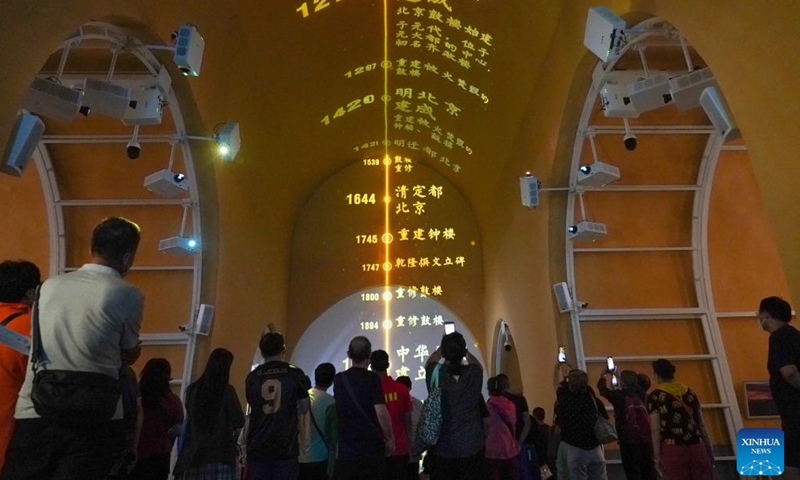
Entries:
{"x":717,"y":111}
{"x":563,"y":297}
{"x":205,"y":315}
{"x":25,"y":135}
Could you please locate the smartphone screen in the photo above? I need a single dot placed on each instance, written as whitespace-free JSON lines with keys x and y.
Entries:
{"x":562,"y":355}
{"x":610,"y":366}
{"x":449,"y":327}
{"x":614,"y":380}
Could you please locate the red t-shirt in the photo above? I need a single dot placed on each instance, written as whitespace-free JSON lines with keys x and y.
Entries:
{"x":398,"y":402}
{"x":153,"y":439}
{"x":12,"y":372}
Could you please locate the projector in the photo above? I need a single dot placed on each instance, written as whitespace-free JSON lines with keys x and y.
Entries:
{"x":106,"y":98}
{"x":144,"y":107}
{"x":615,"y":103}
{"x":529,"y":190}
{"x":586,"y":231}
{"x":650,"y":93}
{"x":179,"y":246}
{"x":52,"y":100}
{"x":166,"y":183}
{"x":228,"y":139}
{"x":598,"y":174}
{"x":189,"y":50}
{"x":604,"y":34}
{"x":686,"y":89}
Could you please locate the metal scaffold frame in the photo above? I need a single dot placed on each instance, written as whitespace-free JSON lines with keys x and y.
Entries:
{"x":705,"y":312}
{"x":93,"y":35}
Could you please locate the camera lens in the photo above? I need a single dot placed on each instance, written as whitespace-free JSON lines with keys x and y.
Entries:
{"x":133,"y":152}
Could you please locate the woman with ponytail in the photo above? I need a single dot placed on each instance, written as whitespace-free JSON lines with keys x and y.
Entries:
{"x":214,"y":419}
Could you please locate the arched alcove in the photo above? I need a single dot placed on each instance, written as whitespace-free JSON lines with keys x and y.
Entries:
{"x":505,"y":359}
{"x":409,"y":338}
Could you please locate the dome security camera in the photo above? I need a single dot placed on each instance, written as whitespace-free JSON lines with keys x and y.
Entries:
{"x":133,"y":149}
{"x":630,"y":141}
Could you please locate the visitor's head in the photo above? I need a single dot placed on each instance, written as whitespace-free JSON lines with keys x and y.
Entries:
{"x":644,"y":381}
{"x":404,"y":380}
{"x":115,"y":240}
{"x":453,"y":348}
{"x":359,"y":350}
{"x":577,"y":380}
{"x":495,"y":386}
{"x":538,"y":414}
{"x":628,"y":379}
{"x":505,"y":383}
{"x":774,"y":313}
{"x":323,"y":375}
{"x":18,"y":281}
{"x":664,"y":370}
{"x":272,"y":345}
{"x":379,"y":361}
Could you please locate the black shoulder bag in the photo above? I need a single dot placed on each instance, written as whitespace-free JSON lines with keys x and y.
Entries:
{"x":68,"y":397}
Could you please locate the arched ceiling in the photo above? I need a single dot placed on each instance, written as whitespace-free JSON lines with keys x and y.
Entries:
{"x":305,"y":81}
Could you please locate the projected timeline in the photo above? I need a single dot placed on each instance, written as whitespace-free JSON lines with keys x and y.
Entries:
{"x":396,"y":221}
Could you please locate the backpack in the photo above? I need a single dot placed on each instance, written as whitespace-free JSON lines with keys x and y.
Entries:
{"x":637,"y":422}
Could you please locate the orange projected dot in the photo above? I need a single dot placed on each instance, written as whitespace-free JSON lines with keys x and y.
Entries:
{"x":387,"y":266}
{"x":472,"y":243}
{"x":387,"y":296}
{"x":387,"y":237}
{"x":387,"y":324}
{"x":387,"y":199}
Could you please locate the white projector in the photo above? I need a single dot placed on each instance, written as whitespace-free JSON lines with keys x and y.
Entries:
{"x":179,"y":246}
{"x":529,"y":190}
{"x":189,"y":50}
{"x":615,"y":103}
{"x":604,"y":34}
{"x":106,"y":98}
{"x":650,"y":93}
{"x":598,"y":174}
{"x":586,"y":231}
{"x":52,"y":100}
{"x":228,"y":139}
{"x":145,"y":107}
{"x":686,"y":89}
{"x":166,"y":183}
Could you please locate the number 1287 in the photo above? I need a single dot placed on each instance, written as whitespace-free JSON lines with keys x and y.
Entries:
{"x":318,"y":6}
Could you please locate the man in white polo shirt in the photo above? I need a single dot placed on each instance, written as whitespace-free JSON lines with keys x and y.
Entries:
{"x":89,"y":319}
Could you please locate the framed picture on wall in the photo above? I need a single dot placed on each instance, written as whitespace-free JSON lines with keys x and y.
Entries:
{"x":758,"y":400}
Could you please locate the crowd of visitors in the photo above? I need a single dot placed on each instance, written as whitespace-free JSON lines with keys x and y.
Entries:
{"x":72,"y":407}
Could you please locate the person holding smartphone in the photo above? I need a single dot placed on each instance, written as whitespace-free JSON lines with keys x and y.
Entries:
{"x":580,"y":454}
{"x":632,"y":421}
{"x":458,"y":454}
